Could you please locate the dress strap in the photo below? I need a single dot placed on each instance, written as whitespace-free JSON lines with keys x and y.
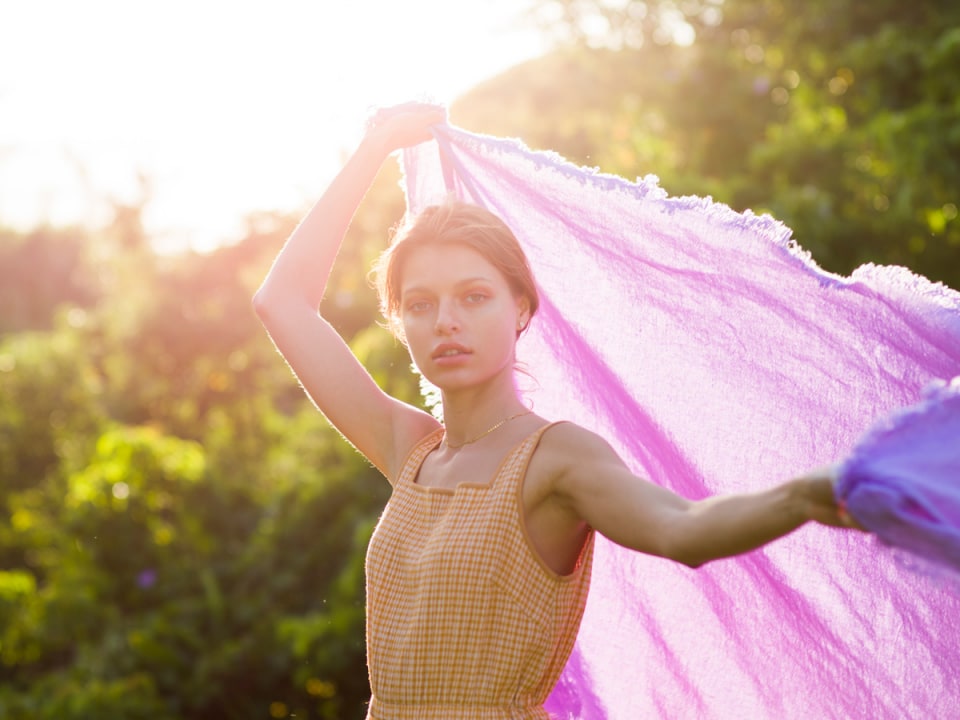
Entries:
{"x":514,"y":465}
{"x":416,"y":456}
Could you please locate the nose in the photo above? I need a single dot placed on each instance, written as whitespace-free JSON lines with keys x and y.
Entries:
{"x":448,"y":321}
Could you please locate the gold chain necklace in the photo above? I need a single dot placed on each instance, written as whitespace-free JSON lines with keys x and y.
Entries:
{"x":485,"y":432}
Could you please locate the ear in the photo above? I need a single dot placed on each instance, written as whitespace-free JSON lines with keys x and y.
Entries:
{"x":523,"y":313}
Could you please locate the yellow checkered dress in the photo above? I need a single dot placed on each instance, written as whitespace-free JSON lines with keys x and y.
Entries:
{"x":463,"y":618}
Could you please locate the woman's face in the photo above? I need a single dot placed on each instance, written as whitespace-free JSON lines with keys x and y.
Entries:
{"x":460,"y":317}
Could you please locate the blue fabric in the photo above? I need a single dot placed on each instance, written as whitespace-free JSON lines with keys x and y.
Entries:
{"x":902,"y":480}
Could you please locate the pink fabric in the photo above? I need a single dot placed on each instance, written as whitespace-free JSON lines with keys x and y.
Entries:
{"x":715,"y":356}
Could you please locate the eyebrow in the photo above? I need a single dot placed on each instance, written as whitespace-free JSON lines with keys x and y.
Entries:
{"x":458,"y":284}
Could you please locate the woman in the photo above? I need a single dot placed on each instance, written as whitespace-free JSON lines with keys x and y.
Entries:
{"x":479,"y":568}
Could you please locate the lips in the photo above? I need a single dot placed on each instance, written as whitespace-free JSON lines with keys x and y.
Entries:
{"x":449,"y":350}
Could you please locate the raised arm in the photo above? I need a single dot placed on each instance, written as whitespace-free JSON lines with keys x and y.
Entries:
{"x":595,"y":485}
{"x":379,"y":426}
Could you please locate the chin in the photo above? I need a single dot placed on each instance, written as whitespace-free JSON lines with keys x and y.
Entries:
{"x":448,"y":384}
{"x":453,"y":381}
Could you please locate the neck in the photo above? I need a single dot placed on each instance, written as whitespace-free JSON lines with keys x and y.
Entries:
{"x":467,"y":413}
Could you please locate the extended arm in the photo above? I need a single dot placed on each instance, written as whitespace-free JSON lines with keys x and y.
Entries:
{"x":378,"y":426}
{"x":596,"y":485}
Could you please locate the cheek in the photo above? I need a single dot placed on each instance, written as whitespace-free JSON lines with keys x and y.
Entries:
{"x":416,"y":334}
{"x":502,"y":330}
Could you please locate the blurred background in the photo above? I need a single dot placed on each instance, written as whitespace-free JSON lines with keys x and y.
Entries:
{"x":181,"y":533}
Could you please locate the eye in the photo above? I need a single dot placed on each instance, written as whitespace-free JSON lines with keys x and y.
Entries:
{"x":418,"y":306}
{"x":475,"y":298}
{"x":417,"y":303}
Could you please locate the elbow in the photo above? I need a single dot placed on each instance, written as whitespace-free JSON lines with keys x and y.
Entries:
{"x":688,"y":557}
{"x":281,"y":314}
{"x":273,"y":302}
{"x":261,"y":306}
{"x":270,"y":305}
{"x":675,"y":550}
{"x":681,"y":545}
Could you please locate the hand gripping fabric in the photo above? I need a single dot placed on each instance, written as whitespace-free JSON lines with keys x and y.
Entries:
{"x":716,"y":356}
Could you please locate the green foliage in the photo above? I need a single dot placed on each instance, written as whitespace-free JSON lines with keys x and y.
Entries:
{"x":39,"y":273}
{"x":182,"y":534}
{"x":839,"y":118}
{"x":860,"y":163}
{"x":49,"y":403}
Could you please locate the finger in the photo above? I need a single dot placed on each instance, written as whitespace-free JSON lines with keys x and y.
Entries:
{"x":432,"y":112}
{"x":846,"y":519}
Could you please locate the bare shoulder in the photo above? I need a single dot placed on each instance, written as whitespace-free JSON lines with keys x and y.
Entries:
{"x":590,"y":482}
{"x":569,"y":452}
{"x":569,"y":443}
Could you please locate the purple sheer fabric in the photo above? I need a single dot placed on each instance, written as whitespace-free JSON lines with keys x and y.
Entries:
{"x":902,"y":480}
{"x":715,"y":356}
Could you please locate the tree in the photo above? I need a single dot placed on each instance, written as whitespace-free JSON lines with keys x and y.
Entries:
{"x":182,"y":533}
{"x":39,"y":273}
{"x":835,"y":117}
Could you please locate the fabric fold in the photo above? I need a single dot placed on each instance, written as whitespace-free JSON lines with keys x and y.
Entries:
{"x":716,"y":356}
{"x":902,"y":480}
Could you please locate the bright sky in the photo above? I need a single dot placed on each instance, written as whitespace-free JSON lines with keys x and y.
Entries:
{"x":225,"y":107}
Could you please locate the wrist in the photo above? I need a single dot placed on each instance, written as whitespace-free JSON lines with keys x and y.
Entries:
{"x":815,"y":494}
{"x":799,"y":506}
{"x":376,"y":141}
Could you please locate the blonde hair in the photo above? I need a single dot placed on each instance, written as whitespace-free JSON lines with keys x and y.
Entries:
{"x":454,"y":222}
